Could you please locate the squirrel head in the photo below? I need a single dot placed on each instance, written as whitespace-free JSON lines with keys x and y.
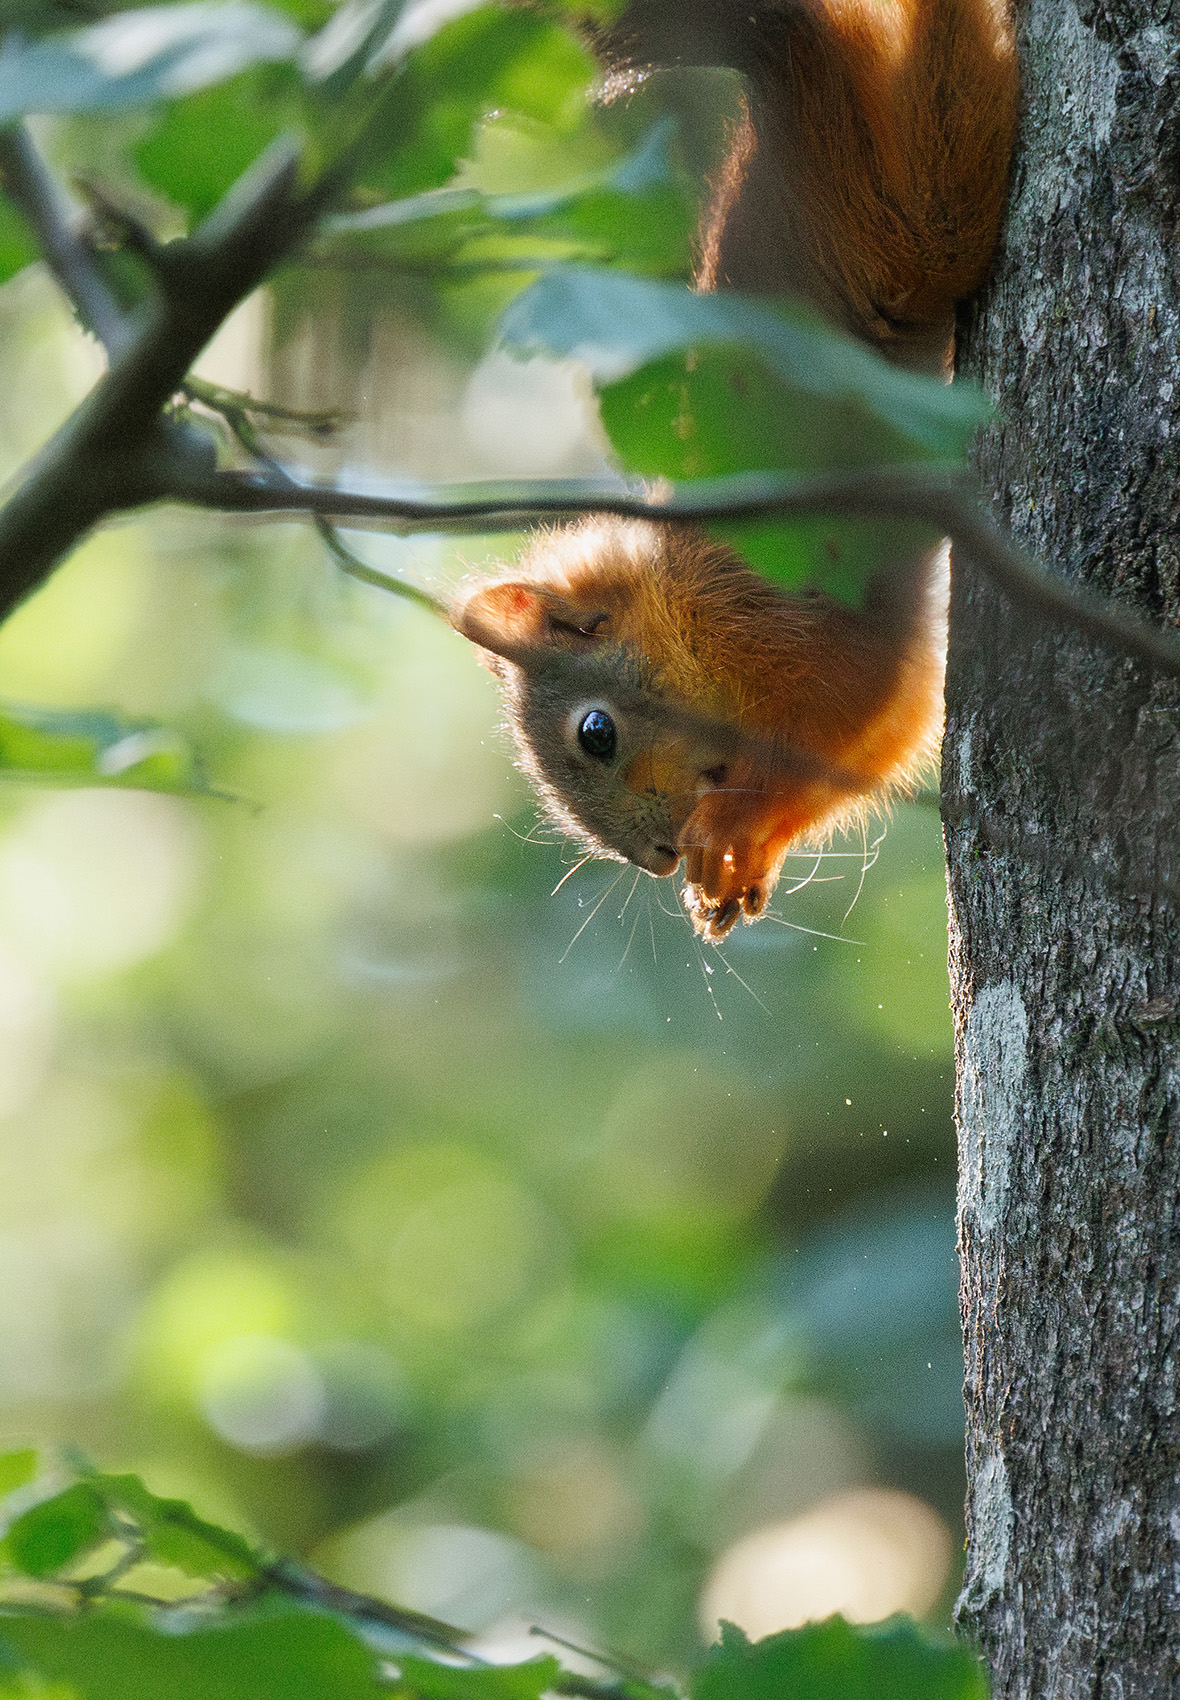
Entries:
{"x":626,"y":651}
{"x":618,"y":759}
{"x":670,"y":706}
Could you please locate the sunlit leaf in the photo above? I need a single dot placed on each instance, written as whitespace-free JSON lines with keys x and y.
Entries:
{"x":92,"y":747}
{"x":836,"y":1660}
{"x":280,"y":1651}
{"x":490,"y":60}
{"x":173,"y":1533}
{"x":54,"y":1533}
{"x":17,"y":1468}
{"x":137,"y":57}
{"x":760,"y":391}
{"x":432,"y":1681}
{"x":617,"y":324}
{"x":634,"y":212}
{"x":200,"y":146}
{"x":720,"y":411}
{"x":18,"y":246}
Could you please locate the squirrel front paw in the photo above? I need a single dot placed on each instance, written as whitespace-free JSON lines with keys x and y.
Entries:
{"x":723,"y":885}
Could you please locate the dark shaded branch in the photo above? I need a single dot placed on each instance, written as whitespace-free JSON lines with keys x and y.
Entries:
{"x":302,"y":1584}
{"x":116,"y":449}
{"x":944,"y":499}
{"x":34,"y":189}
{"x":306,"y":1585}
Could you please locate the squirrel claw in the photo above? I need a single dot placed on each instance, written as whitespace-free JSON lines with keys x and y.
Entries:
{"x":714,"y":918}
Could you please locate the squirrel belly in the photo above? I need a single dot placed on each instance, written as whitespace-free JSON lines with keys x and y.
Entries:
{"x":671,"y":706}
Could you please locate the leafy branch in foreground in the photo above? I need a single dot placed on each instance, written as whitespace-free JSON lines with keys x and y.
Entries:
{"x":341,"y":147}
{"x":122,"y":1595}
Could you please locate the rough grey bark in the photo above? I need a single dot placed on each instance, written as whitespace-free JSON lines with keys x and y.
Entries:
{"x":1062,"y":807}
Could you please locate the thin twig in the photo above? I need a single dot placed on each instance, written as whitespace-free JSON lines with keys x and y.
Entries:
{"x":352,"y":564}
{"x":292,"y":1579}
{"x":316,"y":422}
{"x":238,"y":411}
{"x":56,"y":221}
{"x":301,"y":1584}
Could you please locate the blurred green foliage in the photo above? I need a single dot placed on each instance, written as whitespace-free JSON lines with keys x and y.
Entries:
{"x":508,"y":1257}
{"x":369,"y":1173}
{"x":127,"y":1596}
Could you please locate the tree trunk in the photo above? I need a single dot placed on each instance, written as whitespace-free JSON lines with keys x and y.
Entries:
{"x":1061,"y":790}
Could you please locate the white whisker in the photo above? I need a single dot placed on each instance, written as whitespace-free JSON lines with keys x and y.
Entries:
{"x":591,"y":916}
{"x":631,"y":893}
{"x":706,"y":970}
{"x":730,"y":969}
{"x":869,"y":855}
{"x":837,"y":938}
{"x":527,"y":837}
{"x":631,"y":939}
{"x":570,"y":872}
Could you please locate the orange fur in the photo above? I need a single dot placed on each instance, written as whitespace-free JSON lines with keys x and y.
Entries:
{"x":877,"y":182}
{"x":868,"y":176}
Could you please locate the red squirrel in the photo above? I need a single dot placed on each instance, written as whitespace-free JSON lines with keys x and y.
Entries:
{"x":671,"y":705}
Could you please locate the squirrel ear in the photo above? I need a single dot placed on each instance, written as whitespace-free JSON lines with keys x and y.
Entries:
{"x":517,"y":614}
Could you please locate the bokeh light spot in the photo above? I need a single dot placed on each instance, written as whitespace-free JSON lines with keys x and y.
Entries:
{"x":450,"y":1238}
{"x":867,"y":1554}
{"x":93,"y":881}
{"x":262,"y":1394}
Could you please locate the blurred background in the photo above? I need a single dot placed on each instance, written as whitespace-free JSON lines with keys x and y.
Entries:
{"x":391,"y":1187}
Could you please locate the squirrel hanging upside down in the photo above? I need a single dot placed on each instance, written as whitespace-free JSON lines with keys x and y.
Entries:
{"x":670,"y":704}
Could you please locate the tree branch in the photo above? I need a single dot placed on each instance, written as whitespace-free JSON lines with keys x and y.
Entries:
{"x":946,"y":500}
{"x":116,"y":448}
{"x":118,"y":451}
{"x":56,"y":220}
{"x":307,"y":1585}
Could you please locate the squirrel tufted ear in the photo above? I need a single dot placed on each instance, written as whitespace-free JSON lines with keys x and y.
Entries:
{"x":511,"y":615}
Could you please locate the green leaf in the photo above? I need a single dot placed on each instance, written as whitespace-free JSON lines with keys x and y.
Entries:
{"x":59,"y":1530}
{"x":199,"y":147}
{"x":490,"y":60}
{"x":17,"y":1469}
{"x":432,"y":1681}
{"x":763,"y":391}
{"x":617,"y":324}
{"x":721,"y":411}
{"x":18,"y":1682}
{"x":92,"y":747}
{"x":894,"y":1660}
{"x":634,"y":212}
{"x":136,"y":57}
{"x":279,"y":1651}
{"x":830,"y":552}
{"x":174,"y":1534}
{"x":18,"y":245}
{"x":308,"y":14}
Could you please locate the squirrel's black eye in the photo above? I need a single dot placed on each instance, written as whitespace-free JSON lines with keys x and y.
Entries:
{"x":597,"y":735}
